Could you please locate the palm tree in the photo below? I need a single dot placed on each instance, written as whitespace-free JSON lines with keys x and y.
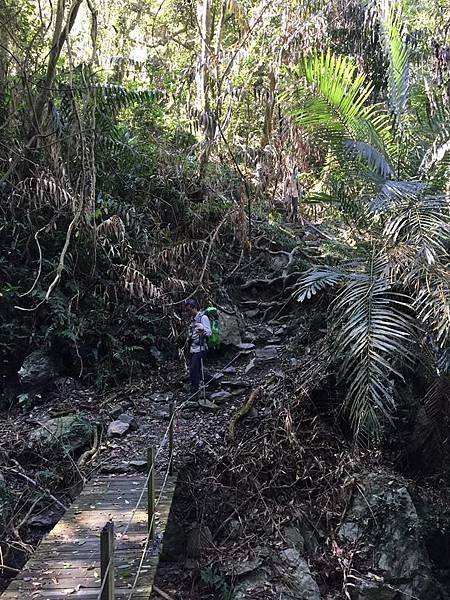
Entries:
{"x":393,"y":174}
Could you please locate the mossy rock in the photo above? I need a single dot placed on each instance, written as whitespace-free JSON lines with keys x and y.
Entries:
{"x":72,"y":432}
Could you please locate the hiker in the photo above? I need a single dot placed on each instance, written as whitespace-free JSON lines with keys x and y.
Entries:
{"x":293,"y":192}
{"x":199,"y":332}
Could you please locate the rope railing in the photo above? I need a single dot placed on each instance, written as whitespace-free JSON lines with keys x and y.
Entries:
{"x":106,"y":591}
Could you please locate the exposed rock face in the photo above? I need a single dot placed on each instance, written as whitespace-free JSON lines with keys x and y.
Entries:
{"x":72,"y":432}
{"x":230,"y":329}
{"x":37,"y":369}
{"x":284,"y":575}
{"x":384,"y":522}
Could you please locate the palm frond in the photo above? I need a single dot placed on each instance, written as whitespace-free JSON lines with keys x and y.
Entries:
{"x":422,"y":223}
{"x":432,"y":303}
{"x":330,"y":101}
{"x":397,"y":50}
{"x":337,"y":103}
{"x":432,"y":421}
{"x":373,"y":341}
{"x":316,"y":280}
{"x":436,"y":161}
{"x":394,"y":193}
{"x":375,"y":159}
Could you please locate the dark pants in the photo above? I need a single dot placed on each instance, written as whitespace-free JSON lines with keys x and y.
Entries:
{"x":294,"y":209}
{"x":195,"y":370}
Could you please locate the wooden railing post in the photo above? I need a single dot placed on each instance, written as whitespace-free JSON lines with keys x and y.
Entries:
{"x":171,"y":427}
{"x":107,"y":561}
{"x":151,"y":491}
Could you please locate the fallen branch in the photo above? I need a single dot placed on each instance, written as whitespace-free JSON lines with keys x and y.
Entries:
{"x":161,"y":593}
{"x":275,"y":280}
{"x":39,"y":487}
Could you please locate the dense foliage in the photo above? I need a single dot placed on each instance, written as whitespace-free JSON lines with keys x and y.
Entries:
{"x":141,"y":142}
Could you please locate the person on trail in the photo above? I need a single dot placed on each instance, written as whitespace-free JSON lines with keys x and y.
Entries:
{"x":199,"y":332}
{"x":293,"y":193}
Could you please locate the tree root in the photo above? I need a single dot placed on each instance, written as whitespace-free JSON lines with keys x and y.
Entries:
{"x":242,"y":412}
{"x":281,"y":279}
{"x":89,"y":453}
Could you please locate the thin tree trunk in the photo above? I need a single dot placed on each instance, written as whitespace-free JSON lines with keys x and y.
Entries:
{"x":60,"y":35}
{"x":202,"y":81}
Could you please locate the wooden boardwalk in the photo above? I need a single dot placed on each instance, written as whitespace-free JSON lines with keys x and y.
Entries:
{"x":66,"y":564}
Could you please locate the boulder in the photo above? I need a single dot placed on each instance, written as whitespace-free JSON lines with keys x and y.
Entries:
{"x":229,"y":371}
{"x":139,"y":465}
{"x":72,"y":432}
{"x":230,"y":329}
{"x":246,"y":346}
{"x":198,"y":540}
{"x":294,"y":538}
{"x":37,"y":369}
{"x":296,"y":576}
{"x":118,"y":428}
{"x":118,"y":409}
{"x":284,"y":575}
{"x":130,"y":420}
{"x":207,"y":404}
{"x":257,"y":582}
{"x":383,"y":520}
{"x":45,"y":520}
{"x":221,"y":396}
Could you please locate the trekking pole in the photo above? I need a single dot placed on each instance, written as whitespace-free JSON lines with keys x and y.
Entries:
{"x":202,"y":341}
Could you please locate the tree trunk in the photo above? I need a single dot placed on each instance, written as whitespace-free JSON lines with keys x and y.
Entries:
{"x":202,"y":82}
{"x":60,"y":35}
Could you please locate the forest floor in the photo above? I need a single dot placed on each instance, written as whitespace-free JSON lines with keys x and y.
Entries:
{"x":288,"y":454}
{"x":197,"y":428}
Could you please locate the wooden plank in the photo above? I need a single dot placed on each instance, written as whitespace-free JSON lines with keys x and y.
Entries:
{"x":67,"y":562}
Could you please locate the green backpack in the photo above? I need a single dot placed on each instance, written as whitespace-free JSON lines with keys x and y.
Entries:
{"x":213,"y":315}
